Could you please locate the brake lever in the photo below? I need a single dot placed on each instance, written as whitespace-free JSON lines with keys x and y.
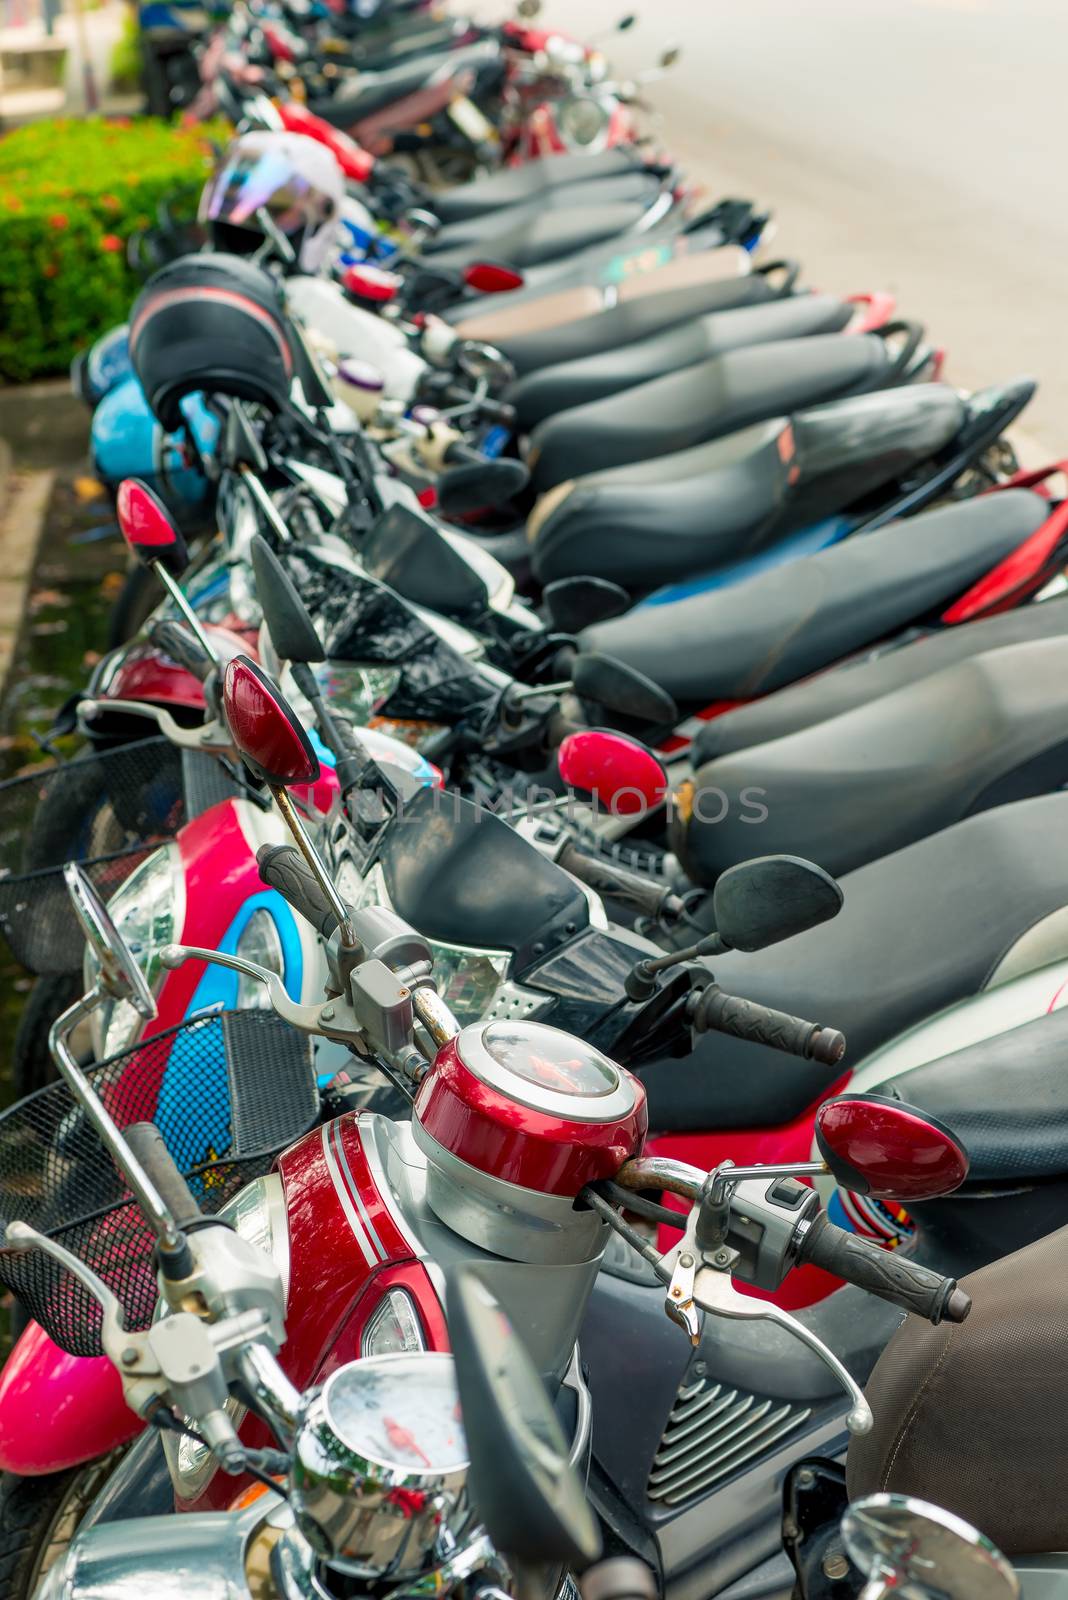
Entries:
{"x":309,"y":1019}
{"x":700,"y":1280}
{"x":212,"y":736}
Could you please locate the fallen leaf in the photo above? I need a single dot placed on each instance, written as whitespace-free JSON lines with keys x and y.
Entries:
{"x":88,"y":488}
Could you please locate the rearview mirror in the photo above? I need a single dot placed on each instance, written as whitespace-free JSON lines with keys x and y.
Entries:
{"x":881,"y":1147}
{"x":524,"y":1489}
{"x":904,"y":1546}
{"x":617,"y":687}
{"x":761,"y":902}
{"x":149,"y":529}
{"x":489,"y":277}
{"x":478,"y":484}
{"x":575,"y":603}
{"x":265,"y":729}
{"x":620,"y":772}
{"x":120,"y":976}
{"x":291,"y":628}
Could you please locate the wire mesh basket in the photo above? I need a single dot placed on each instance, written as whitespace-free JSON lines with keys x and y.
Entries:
{"x":104,"y":809}
{"x":227,"y":1090}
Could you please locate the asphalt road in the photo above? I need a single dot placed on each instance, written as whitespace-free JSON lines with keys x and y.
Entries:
{"x":913,"y":145}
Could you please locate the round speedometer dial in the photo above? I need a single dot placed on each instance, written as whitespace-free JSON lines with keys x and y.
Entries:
{"x":400,"y":1411}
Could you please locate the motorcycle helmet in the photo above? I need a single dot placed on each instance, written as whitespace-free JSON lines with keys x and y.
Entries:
{"x":295,"y":178}
{"x":213,"y":324}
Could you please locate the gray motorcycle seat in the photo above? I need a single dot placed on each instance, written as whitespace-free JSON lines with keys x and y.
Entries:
{"x":364,"y":93}
{"x":985,"y":731}
{"x":1005,"y":1098}
{"x":587,"y":378}
{"x":534,"y":181}
{"x":970,"y":1416}
{"x":749,"y":639}
{"x":704,"y":402}
{"x":638,"y":189}
{"x":920,"y":930}
{"x":661,"y":520}
{"x":538,"y":236}
{"x":860,"y":682}
{"x":630,"y":320}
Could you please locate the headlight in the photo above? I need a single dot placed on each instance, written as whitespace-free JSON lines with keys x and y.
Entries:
{"x":467,"y":979}
{"x":258,"y":1213}
{"x":394,"y":1327}
{"x":145,"y":911}
{"x":258,"y":942}
{"x":582,"y":120}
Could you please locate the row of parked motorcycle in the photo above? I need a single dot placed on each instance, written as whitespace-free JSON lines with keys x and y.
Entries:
{"x":562,"y":654}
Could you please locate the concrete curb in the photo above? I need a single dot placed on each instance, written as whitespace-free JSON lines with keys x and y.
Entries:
{"x":21,"y":523}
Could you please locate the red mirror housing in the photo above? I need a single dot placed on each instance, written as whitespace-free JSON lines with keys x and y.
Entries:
{"x":487,"y":277}
{"x":373,"y":284}
{"x":621,"y":773}
{"x":265,"y":728}
{"x":148,"y":527}
{"x":878,"y":1146}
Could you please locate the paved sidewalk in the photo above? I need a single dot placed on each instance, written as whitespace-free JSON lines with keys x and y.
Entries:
{"x":101,"y":30}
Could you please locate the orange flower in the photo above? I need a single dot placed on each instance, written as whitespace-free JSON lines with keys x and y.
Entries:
{"x":110,"y":202}
{"x":111,"y":241}
{"x":50,"y":269}
{"x":59,"y":220}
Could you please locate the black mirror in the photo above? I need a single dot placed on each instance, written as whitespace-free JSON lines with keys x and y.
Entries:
{"x":477,"y":484}
{"x":575,"y":603}
{"x":525,"y":1492}
{"x":614,"y":685}
{"x":181,"y":644}
{"x":405,"y":549}
{"x":241,"y":444}
{"x":761,"y":902}
{"x":291,"y":628}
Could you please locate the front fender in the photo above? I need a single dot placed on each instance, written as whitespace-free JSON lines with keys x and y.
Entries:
{"x":58,"y":1410}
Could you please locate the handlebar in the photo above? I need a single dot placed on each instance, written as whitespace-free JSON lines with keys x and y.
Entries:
{"x":284,"y":869}
{"x":644,"y":894}
{"x":150,"y":1149}
{"x":712,"y":1009}
{"x":891,"y":1277}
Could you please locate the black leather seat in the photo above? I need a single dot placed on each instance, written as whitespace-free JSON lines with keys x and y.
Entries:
{"x":1005,"y":1098}
{"x":534,"y":182}
{"x":919,"y":930}
{"x":538,"y":236}
{"x":970,"y":1416}
{"x":631,"y":320}
{"x":713,"y":398}
{"x":666,"y":519}
{"x":365,"y":93}
{"x":748,"y":639}
{"x":990,"y":729}
{"x":862,"y":681}
{"x":482,"y":232}
{"x":587,"y":378}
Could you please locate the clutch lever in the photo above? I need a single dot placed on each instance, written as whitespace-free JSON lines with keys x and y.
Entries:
{"x":212,"y":736}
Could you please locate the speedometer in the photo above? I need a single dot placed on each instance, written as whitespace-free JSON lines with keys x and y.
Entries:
{"x":400,"y":1411}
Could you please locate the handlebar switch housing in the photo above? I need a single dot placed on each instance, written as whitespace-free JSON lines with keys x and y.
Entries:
{"x":764,"y":1222}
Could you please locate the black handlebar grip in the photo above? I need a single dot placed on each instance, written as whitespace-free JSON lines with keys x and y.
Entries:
{"x":746,"y":1019}
{"x":882,"y":1272}
{"x":150,"y":1148}
{"x":645,"y":894}
{"x":282,"y":867}
{"x":177,"y":641}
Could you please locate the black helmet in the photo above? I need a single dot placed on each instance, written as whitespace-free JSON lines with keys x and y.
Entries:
{"x":213,"y":323}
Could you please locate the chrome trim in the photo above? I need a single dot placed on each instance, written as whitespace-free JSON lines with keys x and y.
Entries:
{"x":614,"y":1101}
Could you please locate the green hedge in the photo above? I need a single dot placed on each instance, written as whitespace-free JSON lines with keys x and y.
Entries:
{"x":71,"y":193}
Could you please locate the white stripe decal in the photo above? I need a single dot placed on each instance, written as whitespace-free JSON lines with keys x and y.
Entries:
{"x":355,"y":1195}
{"x":346,"y":1203}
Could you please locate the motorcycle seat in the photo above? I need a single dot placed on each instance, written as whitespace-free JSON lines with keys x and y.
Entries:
{"x":717,"y":396}
{"x":920,"y":930}
{"x":989,"y":729}
{"x":539,"y":236}
{"x":860,"y":682}
{"x":661,"y":520}
{"x":533,"y":182}
{"x":1005,"y":1098}
{"x":751,"y":638}
{"x":591,"y":377}
{"x":364,"y":93}
{"x":638,"y":189}
{"x":529,"y":349}
{"x":970,"y":1416}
